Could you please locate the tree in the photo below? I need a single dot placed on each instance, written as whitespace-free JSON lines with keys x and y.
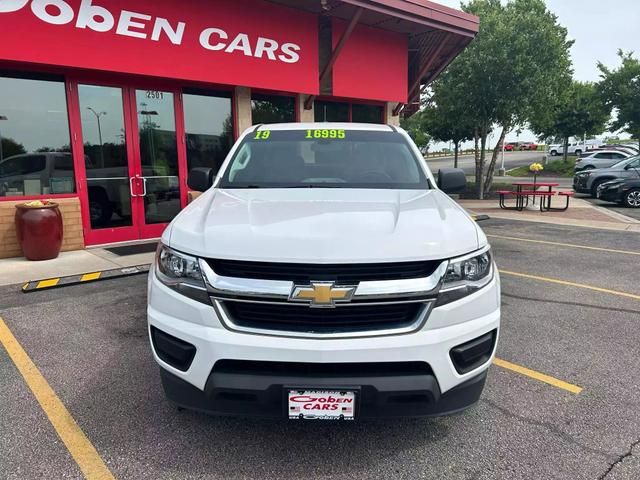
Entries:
{"x":415,"y":127}
{"x":579,"y":111}
{"x":10,"y":147}
{"x":517,"y":65}
{"x":446,"y":121}
{"x":620,"y":90}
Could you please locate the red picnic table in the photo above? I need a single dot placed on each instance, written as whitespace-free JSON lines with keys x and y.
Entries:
{"x":522,"y":195}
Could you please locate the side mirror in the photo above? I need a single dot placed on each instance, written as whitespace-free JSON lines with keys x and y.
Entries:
{"x":452,"y":180}
{"x":200,"y":178}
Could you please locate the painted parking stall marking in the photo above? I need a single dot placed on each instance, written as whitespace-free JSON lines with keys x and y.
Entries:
{"x":542,"y":377}
{"x":568,"y":245}
{"x":77,"y":443}
{"x":571,"y":284}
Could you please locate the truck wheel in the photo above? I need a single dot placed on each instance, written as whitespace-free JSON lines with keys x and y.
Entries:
{"x":553,"y":153}
{"x":578,"y":152}
{"x":632,"y":198}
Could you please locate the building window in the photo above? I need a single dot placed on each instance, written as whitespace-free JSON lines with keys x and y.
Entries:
{"x":35,"y":152}
{"x":330,"y":111}
{"x":272,"y":109}
{"x":363,"y":113}
{"x":209,"y":128}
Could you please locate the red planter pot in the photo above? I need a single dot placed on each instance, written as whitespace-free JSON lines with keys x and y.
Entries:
{"x":39,"y":231}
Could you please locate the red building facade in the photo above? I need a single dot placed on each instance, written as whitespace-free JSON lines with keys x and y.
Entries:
{"x":105,"y":105}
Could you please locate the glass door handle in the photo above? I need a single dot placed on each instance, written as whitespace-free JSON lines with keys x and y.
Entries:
{"x":144,"y":187}
{"x":131,"y":179}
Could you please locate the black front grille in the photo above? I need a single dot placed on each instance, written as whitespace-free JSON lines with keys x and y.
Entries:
{"x":295,"y":318}
{"x":342,"y":273}
{"x":250,"y":367}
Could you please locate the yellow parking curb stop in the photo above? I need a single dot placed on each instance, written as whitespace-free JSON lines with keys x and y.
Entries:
{"x":47,"y":283}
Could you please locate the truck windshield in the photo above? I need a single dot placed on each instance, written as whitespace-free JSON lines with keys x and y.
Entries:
{"x":324,"y":158}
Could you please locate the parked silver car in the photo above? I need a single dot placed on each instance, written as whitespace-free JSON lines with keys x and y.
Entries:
{"x":601,"y":159}
{"x":587,"y":181}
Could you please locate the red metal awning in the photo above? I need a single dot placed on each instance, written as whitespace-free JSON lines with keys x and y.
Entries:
{"x":437,"y":34}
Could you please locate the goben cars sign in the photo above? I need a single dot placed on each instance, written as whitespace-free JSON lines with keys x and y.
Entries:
{"x":241,"y":42}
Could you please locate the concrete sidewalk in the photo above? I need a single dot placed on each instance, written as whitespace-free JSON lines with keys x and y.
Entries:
{"x":580,"y":214}
{"x":19,"y":270}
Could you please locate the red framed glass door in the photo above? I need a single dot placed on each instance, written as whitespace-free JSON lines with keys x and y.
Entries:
{"x":131,"y":166}
{"x":159,"y":158}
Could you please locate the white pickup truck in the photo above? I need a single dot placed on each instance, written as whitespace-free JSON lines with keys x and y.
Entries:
{"x":324,"y":274}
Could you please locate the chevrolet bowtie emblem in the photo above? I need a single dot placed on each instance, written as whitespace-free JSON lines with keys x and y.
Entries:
{"x":321,"y":294}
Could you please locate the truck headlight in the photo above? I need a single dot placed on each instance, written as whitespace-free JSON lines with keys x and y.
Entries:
{"x":466,"y":275}
{"x":181,"y":272}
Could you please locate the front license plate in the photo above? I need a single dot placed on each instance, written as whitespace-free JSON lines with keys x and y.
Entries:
{"x":321,"y":404}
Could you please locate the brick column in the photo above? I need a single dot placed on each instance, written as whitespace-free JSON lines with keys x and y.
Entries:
{"x":304,"y":115}
{"x":389,"y":117}
{"x":242,"y":109}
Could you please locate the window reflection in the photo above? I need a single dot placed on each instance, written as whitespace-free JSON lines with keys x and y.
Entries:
{"x":331,"y":111}
{"x":272,"y":109}
{"x":158,"y":154}
{"x":105,"y":156}
{"x":363,"y":113}
{"x":208,"y":128}
{"x":35,"y":152}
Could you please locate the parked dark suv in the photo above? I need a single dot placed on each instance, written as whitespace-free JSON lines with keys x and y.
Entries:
{"x":587,"y":181}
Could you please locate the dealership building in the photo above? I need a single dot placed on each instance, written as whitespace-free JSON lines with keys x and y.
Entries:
{"x":106,"y":105}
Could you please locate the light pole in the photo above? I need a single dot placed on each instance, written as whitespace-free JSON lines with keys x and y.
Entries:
{"x":150,"y":126}
{"x":2,"y":117}
{"x":98,"y":115}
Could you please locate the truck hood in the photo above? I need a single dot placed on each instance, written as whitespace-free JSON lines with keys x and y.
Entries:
{"x":324,"y":226}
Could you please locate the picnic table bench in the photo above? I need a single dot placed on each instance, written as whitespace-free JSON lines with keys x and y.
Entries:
{"x":522,"y":196}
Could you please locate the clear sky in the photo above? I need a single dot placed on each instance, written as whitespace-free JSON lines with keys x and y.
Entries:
{"x":598,"y":28}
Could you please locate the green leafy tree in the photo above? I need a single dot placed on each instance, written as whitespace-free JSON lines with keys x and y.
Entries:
{"x":517,"y":65}
{"x":10,"y":148}
{"x":579,"y":111}
{"x":415,"y":127}
{"x":445,"y":120}
{"x":620,"y":89}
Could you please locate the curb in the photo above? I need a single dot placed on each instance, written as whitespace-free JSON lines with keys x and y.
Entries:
{"x":57,"y":282}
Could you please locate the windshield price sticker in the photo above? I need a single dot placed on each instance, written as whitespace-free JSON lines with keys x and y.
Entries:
{"x":325,"y":133}
{"x":262,"y":135}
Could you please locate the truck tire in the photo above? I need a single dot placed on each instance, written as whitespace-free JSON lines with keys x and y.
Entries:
{"x":631,"y":199}
{"x":578,"y":152}
{"x":553,"y":153}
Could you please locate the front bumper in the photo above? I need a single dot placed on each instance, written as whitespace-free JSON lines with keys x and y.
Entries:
{"x":263,"y":395}
{"x":447,"y":327}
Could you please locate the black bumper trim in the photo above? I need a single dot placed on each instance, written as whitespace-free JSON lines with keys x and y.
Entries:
{"x":380,"y":396}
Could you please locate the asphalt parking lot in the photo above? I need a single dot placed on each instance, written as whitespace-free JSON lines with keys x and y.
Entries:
{"x":571,"y":311}
{"x":616,"y":207}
